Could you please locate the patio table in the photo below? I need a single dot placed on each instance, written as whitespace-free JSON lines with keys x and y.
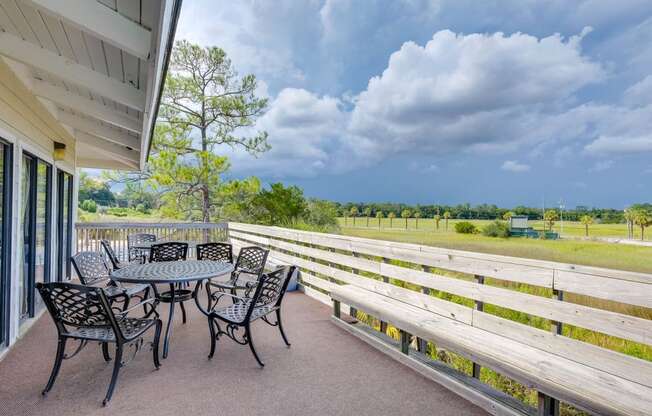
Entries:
{"x":172,"y":273}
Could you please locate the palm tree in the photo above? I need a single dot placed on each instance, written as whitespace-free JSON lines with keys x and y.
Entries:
{"x":391,"y":217}
{"x":367,"y":213}
{"x":437,"y":218}
{"x":643,"y":219}
{"x":508,"y":215}
{"x":417,"y":215}
{"x":354,"y":213}
{"x":406,"y":214}
{"x":629,"y":217}
{"x":379,"y":215}
{"x":447,"y":216}
{"x":586,"y":220}
{"x":550,"y":217}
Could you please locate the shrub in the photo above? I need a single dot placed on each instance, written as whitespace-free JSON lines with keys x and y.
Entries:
{"x":465,"y":227}
{"x":496,"y":229}
{"x":118,"y":212}
{"x":142,"y":209}
{"x":89,"y":205}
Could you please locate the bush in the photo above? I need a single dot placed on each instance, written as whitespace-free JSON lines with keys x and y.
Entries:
{"x":142,"y":209}
{"x":465,"y":227}
{"x":89,"y":205}
{"x":496,"y":229}
{"x":118,"y":212}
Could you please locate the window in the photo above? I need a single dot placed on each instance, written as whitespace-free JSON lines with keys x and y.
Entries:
{"x":36,"y":179}
{"x":64,"y":224}
{"x":6,"y":170}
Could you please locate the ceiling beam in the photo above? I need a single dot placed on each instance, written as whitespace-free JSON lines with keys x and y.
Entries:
{"x":85,"y":106}
{"x":26,"y":52}
{"x":100,"y":130}
{"x":112,"y":149}
{"x":99,"y":20}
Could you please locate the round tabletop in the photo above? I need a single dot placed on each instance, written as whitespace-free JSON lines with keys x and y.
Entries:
{"x":146,"y":245}
{"x":172,"y":271}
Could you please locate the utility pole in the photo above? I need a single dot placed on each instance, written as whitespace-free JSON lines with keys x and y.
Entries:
{"x":561,"y":216}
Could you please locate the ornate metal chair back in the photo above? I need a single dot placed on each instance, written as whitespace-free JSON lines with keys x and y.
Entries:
{"x":78,"y":306}
{"x":271,"y":288}
{"x":90,"y":267}
{"x":251,"y":260}
{"x":215,"y":252}
{"x":106,"y":245}
{"x":140,"y":238}
{"x":171,"y":251}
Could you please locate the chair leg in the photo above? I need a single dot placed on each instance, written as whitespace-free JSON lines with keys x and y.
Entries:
{"x":61,"y":349}
{"x":114,"y":377}
{"x":251,"y":345}
{"x":157,"y":340}
{"x":105,"y":351}
{"x":280,"y":327}
{"x":183,"y":312}
{"x":211,"y":331}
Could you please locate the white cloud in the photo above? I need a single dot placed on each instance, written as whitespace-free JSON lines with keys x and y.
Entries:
{"x":606,"y":145}
{"x":471,"y":92}
{"x":515,"y":166}
{"x":639,"y":94}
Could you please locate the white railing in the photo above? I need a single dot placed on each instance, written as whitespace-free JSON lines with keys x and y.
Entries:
{"x":89,"y":234}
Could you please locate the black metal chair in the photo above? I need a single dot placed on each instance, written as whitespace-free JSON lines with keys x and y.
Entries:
{"x":172,"y":251}
{"x":248,"y":268}
{"x":113,"y":258}
{"x":93,"y":271}
{"x":215,"y":252}
{"x":84,"y":313}
{"x":267,"y":299}
{"x":138,"y":253}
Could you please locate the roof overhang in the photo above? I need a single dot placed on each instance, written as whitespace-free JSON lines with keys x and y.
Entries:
{"x":98,"y":65}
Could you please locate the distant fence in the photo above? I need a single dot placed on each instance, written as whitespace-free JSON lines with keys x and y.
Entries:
{"x":89,"y":234}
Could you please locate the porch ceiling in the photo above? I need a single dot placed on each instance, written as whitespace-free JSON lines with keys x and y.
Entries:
{"x":98,"y":63}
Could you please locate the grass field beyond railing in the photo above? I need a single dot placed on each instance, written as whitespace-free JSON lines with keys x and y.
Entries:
{"x":570,"y":228}
{"x":588,"y":252}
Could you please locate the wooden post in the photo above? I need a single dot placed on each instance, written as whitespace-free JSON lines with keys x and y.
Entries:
{"x":557,"y":327}
{"x":353,"y":311}
{"x":336,"y":308}
{"x":405,"y":342}
{"x":422,"y":344}
{"x":479,"y":306}
{"x":547,"y":406}
{"x":383,"y":325}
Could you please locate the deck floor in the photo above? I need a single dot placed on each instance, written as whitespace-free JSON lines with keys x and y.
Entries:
{"x":325,"y":372}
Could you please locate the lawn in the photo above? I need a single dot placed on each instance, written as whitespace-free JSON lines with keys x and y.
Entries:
{"x":570,"y":228}
{"x":592,"y":253}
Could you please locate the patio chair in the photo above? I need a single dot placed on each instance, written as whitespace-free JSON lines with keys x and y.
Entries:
{"x":248,"y":268}
{"x":93,"y":271}
{"x":172,"y":251}
{"x":138,"y":253}
{"x":84,"y":313}
{"x":267,"y":299}
{"x":215,"y":252}
{"x":115,"y":262}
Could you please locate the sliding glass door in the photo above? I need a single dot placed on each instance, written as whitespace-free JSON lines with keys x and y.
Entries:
{"x":6,"y":170}
{"x":35,"y":215}
{"x":64,"y":224}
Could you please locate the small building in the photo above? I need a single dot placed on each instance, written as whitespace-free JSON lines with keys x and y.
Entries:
{"x":519,"y":227}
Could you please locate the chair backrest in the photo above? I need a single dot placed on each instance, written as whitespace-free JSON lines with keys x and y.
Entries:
{"x":110,"y":254}
{"x":171,"y":251}
{"x":271,"y":288}
{"x":140,"y":238}
{"x":90,"y":267}
{"x":215,"y":252}
{"x":77,"y":306}
{"x":251,"y":260}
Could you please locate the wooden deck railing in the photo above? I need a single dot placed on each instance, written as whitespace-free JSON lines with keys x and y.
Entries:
{"x":89,"y":234}
{"x":530,"y":301}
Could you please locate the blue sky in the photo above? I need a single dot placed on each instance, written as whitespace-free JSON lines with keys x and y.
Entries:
{"x":445,"y":101}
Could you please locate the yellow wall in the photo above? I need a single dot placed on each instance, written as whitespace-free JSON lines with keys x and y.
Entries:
{"x":25,"y":116}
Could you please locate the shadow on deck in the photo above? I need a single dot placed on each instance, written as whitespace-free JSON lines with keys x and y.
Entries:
{"x":327,"y":372}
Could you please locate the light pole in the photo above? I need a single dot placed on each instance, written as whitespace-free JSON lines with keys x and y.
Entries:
{"x":561,"y":216}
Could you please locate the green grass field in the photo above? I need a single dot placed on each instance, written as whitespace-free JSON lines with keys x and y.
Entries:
{"x":591,"y":253}
{"x":570,"y":228}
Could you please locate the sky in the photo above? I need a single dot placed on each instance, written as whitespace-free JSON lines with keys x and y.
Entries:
{"x":512,"y":102}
